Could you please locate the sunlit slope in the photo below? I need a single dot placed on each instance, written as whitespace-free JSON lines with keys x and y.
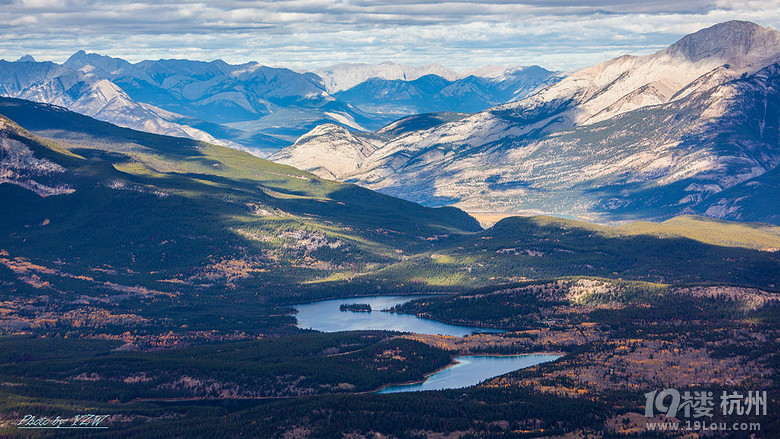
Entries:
{"x":162,"y":159}
{"x":174,"y":214}
{"x":682,"y":250}
{"x":690,"y":129}
{"x":710,"y":231}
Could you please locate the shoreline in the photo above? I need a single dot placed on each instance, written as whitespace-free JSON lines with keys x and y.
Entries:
{"x":366,"y":296}
{"x":366,"y":392}
{"x":455,"y":362}
{"x":427,"y":375}
{"x":488,"y":330}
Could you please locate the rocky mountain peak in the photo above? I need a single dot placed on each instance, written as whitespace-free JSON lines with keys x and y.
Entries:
{"x":78,"y":56}
{"x":109,"y":65}
{"x":729,"y":41}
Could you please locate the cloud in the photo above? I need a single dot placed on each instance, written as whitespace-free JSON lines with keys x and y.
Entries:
{"x":461,"y":34}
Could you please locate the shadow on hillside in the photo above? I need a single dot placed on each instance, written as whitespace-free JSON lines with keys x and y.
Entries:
{"x":570,"y":248}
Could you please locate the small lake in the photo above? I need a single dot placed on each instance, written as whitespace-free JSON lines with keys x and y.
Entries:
{"x":471,"y":370}
{"x":468,"y":371}
{"x":325,"y":316}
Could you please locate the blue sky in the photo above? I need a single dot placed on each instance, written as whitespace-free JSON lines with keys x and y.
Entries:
{"x":460,"y":34}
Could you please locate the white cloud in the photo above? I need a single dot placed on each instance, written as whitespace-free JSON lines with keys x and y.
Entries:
{"x":461,"y":34}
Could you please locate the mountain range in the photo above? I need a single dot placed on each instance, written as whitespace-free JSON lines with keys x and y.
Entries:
{"x":693,"y":128}
{"x":434,"y":93}
{"x":109,"y":215}
{"x":162,"y":281}
{"x":251,"y":106}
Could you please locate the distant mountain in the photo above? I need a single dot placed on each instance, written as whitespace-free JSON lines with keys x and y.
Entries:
{"x":213,"y":95}
{"x":345,"y":76}
{"x":87,"y":93}
{"x":343,"y":149}
{"x":432,"y":93}
{"x":247,"y":106}
{"x":332,"y":151}
{"x":689,"y":129}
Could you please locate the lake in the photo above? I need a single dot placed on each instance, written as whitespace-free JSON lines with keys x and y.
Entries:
{"x":325,"y":316}
{"x":468,"y":371}
{"x":471,"y":370}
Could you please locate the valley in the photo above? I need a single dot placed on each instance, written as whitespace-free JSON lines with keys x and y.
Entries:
{"x":625,"y":239}
{"x":163,"y":278}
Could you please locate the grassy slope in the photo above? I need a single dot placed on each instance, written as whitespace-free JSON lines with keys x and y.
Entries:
{"x":709,"y":231}
{"x":145,"y":155}
{"x":217,"y":204}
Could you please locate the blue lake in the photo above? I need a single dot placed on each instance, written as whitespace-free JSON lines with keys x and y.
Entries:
{"x":471,"y":370}
{"x":325,"y":316}
{"x":468,"y":371}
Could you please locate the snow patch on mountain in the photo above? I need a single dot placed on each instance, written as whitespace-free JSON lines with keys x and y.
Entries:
{"x":86,"y":92}
{"x":345,"y":76}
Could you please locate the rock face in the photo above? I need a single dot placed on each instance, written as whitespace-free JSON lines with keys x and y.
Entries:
{"x":329,"y":151}
{"x":692,"y":128}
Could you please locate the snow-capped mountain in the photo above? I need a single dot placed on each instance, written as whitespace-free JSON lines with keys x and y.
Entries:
{"x":345,"y":76}
{"x":184,"y":98}
{"x":634,"y":137}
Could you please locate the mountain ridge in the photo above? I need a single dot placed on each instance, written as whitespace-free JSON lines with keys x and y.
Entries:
{"x":246,"y":106}
{"x":603,"y":142}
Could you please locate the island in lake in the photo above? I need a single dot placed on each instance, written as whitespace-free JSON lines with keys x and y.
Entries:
{"x":357,"y":307}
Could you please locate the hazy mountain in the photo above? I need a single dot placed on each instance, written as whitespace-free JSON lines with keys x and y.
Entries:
{"x":220,"y":92}
{"x":250,"y":106}
{"x":247,"y":106}
{"x":634,"y":137}
{"x":432,"y":93}
{"x":345,"y":76}
{"x":218,"y":97}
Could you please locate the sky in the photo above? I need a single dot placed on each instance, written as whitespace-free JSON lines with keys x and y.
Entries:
{"x":307,"y":34}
